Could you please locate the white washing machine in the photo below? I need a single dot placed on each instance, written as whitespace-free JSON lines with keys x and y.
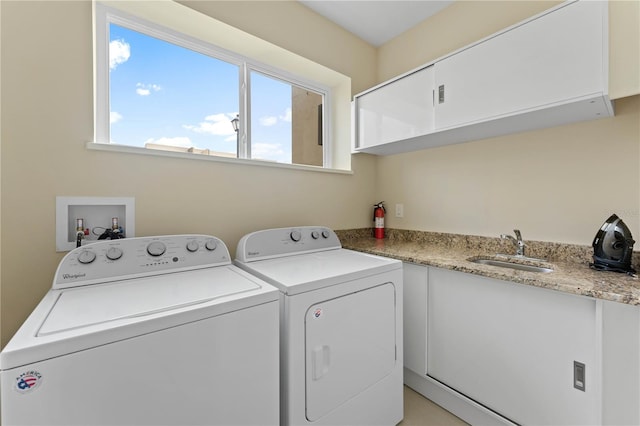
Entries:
{"x":340,"y":326}
{"x":146,"y":331}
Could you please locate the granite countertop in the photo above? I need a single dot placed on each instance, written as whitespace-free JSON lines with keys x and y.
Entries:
{"x":570,"y":263}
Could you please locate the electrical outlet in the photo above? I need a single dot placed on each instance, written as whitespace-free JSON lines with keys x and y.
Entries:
{"x":399,"y":210}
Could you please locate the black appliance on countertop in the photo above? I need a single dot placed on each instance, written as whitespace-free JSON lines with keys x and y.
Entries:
{"x":613,"y":247}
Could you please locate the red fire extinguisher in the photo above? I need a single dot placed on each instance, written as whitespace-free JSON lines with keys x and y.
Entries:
{"x":378,"y":220}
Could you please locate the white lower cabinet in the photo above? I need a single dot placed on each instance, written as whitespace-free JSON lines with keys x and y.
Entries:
{"x":621,"y":364}
{"x":512,"y":348}
{"x":415,"y":317}
{"x":497,"y":352}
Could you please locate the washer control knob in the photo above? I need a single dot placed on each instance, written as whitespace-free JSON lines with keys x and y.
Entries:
{"x":156,"y":248}
{"x":211,"y":244}
{"x":315,"y":235}
{"x":86,"y":256}
{"x":295,"y":236}
{"x":193,"y":246}
{"x":114,"y":253}
{"x":325,"y":234}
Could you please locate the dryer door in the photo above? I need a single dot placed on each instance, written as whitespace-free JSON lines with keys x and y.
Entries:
{"x":350,"y":345}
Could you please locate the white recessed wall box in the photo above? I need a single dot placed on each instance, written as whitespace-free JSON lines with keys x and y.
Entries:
{"x":98,"y":214}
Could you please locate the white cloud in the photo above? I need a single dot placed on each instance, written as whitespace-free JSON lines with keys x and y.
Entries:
{"x":268,"y":121}
{"x":216,"y":124}
{"x":272,"y":120}
{"x":145,"y":89}
{"x":267,"y":151}
{"x":286,"y":116}
{"x":114,"y":117}
{"x":119,"y":53}
{"x":181,"y":141}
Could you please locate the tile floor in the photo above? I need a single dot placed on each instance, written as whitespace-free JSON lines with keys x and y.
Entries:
{"x":419,"y":411}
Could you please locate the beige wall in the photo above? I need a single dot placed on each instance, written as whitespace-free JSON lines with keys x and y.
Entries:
{"x":47,"y":109}
{"x":624,"y":52}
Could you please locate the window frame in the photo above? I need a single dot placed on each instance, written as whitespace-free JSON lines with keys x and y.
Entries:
{"x":105,"y":15}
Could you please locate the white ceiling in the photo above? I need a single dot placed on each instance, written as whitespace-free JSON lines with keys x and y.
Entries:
{"x":376,"y":21}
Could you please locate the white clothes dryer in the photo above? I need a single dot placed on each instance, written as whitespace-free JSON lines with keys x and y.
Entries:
{"x":340,"y":326}
{"x":146,"y":331}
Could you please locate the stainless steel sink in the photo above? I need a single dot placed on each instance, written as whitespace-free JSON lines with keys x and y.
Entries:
{"x":512,"y":265}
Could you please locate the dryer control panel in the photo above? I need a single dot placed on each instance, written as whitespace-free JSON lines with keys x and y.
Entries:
{"x":271,"y":243}
{"x":114,"y":260}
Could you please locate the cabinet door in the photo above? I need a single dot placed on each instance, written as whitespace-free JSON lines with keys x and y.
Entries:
{"x":415,"y":317}
{"x":621,"y":364}
{"x":512,"y":347}
{"x":555,"y":58}
{"x":399,"y":110}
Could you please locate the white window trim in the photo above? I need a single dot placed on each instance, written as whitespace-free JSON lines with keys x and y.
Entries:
{"x":109,"y":147}
{"x":104,"y":15}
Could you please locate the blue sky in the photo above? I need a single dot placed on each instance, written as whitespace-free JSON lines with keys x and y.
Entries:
{"x":165,"y":94}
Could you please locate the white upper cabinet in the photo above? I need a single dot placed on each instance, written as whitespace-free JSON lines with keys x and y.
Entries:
{"x":398,"y":110}
{"x":555,"y":58}
{"x":549,"y":70}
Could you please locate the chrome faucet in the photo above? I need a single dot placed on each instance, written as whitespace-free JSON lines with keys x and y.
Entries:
{"x":517,"y":241}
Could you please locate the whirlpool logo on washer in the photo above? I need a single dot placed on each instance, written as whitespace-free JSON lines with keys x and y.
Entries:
{"x":28,"y":381}
{"x":73,"y":276}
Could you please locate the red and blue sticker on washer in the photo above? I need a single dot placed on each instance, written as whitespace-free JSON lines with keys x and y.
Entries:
{"x":28,"y":381}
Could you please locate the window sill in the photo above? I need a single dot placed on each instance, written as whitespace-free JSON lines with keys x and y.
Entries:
{"x":190,"y":156}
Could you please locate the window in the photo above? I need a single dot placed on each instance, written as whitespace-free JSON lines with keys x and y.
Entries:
{"x":162,"y":90}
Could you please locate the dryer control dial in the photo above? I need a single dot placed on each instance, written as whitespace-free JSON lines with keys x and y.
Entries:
{"x":315,"y":235}
{"x":295,"y":236}
{"x":156,"y":248}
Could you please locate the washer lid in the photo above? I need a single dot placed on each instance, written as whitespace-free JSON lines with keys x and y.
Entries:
{"x":76,"y":319}
{"x":86,"y":306}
